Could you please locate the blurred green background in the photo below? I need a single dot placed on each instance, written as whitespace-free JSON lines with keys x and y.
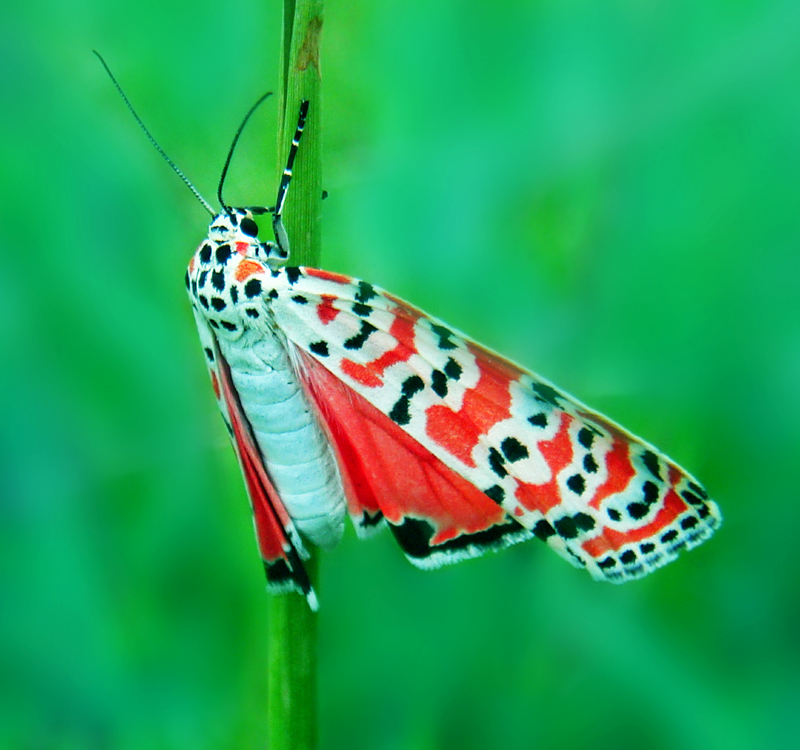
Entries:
{"x":605,"y":192}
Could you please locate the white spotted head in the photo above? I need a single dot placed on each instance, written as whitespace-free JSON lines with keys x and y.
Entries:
{"x":238,"y":228}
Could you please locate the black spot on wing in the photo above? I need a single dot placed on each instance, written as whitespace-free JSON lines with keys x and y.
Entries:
{"x":292,"y":274}
{"x":365,"y":292}
{"x":650,"y":460}
{"x":358,"y":341}
{"x":513,"y":450}
{"x":399,"y":413}
{"x":496,"y":493}
{"x":691,"y":498}
{"x":689,"y":523}
{"x":452,"y":369}
{"x":360,"y":309}
{"x":439,"y":383}
{"x":698,"y":490}
{"x":320,"y":348}
{"x":547,"y":394}
{"x":650,"y":494}
{"x":568,"y":527}
{"x":543,"y":530}
{"x":411,"y":385}
{"x":444,"y":335}
{"x":496,"y":463}
{"x":577,"y":484}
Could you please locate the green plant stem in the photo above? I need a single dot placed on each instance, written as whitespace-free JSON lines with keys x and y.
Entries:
{"x":300,"y":79}
{"x":292,"y":638}
{"x":292,"y":672}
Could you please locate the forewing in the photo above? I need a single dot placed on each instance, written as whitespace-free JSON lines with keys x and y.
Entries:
{"x":602,"y":498}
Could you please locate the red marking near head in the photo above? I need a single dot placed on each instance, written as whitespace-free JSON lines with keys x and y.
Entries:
{"x":247,"y":268}
{"x":191,"y":264}
{"x":241,"y":247}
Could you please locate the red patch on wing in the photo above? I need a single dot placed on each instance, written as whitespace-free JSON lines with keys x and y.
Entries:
{"x":484,"y":405}
{"x":619,"y":468}
{"x":370,"y":374}
{"x":611,"y":539}
{"x":328,"y":276}
{"x":326,"y":312}
{"x":557,"y":454}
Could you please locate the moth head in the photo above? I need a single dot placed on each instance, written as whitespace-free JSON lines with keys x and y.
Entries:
{"x":240,"y":228}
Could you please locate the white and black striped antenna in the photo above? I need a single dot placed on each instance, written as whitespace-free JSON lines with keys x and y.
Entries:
{"x":278,"y":229}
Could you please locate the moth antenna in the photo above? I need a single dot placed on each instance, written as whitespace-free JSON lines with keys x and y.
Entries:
{"x":153,"y":140}
{"x":233,"y":146}
{"x":277,"y":216}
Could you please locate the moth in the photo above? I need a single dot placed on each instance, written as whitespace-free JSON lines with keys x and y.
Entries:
{"x":342,"y":399}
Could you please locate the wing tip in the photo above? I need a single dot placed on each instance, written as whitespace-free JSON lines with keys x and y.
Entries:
{"x":640,"y":558}
{"x":283,"y":579}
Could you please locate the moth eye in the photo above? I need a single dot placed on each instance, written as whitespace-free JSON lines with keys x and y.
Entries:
{"x":249,"y":227}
